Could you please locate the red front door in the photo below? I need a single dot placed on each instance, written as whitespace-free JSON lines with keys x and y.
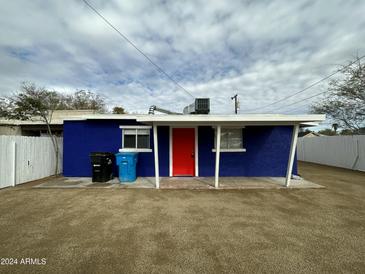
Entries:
{"x":183,"y":152}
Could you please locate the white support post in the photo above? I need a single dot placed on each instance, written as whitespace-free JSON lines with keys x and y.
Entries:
{"x":155,"y":149}
{"x":217,"y":155}
{"x":293,"y":148}
{"x":13,"y":153}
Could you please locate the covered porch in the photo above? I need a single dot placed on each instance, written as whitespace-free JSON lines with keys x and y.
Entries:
{"x":219,"y":124}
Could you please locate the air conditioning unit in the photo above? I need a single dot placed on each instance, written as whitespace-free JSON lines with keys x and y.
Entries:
{"x":200,"y":106}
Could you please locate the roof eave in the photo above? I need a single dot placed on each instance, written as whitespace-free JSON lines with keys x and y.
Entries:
{"x":265,"y":119}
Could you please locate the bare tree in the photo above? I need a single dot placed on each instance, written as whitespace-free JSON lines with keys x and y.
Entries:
{"x":38,"y":103}
{"x":3,"y":107}
{"x":345,"y":100}
{"x":33,"y":102}
{"x":82,"y":99}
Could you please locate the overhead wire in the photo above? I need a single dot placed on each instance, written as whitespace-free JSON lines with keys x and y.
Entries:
{"x":135,"y":47}
{"x":189,"y":93}
{"x":299,"y":101}
{"x":308,"y":87}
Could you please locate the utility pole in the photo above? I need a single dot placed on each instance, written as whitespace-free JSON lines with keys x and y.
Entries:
{"x":235,"y":97}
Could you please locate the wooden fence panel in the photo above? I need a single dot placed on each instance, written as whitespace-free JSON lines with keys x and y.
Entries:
{"x":341,"y":151}
{"x":34,"y":158}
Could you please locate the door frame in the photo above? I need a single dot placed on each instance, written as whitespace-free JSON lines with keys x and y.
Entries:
{"x":196,"y":149}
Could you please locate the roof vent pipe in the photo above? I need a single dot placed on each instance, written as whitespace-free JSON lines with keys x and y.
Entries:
{"x":154,"y":108}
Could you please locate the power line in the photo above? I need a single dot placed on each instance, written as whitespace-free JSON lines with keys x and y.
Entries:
{"x":301,"y":104}
{"x":310,"y":86}
{"x":293,"y":107}
{"x":305,"y":99}
{"x":296,"y":108}
{"x":133,"y":45}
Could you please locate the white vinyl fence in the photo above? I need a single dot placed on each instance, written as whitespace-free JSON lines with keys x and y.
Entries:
{"x":340,"y":151}
{"x":23,"y":159}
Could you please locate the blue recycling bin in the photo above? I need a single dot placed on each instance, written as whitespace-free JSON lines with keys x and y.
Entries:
{"x":127,"y":163}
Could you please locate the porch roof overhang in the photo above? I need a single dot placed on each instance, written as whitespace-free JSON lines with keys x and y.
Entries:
{"x":211,"y":119}
{"x":234,"y":120}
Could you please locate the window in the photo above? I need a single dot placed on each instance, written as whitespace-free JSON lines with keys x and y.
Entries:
{"x":136,"y":138}
{"x":231,"y":140}
{"x":143,"y":138}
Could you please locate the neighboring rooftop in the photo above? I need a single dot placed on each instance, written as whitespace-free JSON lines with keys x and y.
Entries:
{"x":57,"y":118}
{"x":309,"y":134}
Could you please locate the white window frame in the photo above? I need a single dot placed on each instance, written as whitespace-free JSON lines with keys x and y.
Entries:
{"x":229,"y":149}
{"x":135,"y":149}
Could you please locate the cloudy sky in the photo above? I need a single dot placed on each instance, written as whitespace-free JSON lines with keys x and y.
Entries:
{"x":262,"y":50}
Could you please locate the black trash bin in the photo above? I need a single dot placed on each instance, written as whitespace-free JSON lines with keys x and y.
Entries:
{"x":102,"y":166}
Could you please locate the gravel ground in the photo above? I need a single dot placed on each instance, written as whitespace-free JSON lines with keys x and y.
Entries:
{"x":188,"y":231}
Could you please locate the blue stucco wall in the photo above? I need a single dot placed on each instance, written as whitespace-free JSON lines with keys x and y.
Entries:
{"x":83,"y":137}
{"x":267,"y":152}
{"x":266,"y":155}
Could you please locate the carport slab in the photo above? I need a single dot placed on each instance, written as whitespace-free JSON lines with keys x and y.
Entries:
{"x":181,"y":183}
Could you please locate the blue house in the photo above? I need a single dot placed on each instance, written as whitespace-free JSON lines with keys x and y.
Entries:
{"x":189,"y":145}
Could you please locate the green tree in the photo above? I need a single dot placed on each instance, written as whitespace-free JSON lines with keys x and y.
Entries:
{"x":327,"y":132}
{"x":347,"y":132}
{"x":345,"y":100}
{"x":118,"y":110}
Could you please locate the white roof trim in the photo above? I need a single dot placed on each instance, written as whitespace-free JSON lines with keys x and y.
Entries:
{"x":135,"y":127}
{"x":210,"y":118}
{"x":105,"y":117}
{"x":233,"y":118}
{"x":310,"y":124}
